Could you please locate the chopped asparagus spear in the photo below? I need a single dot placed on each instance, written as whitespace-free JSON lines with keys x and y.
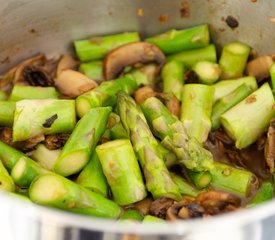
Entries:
{"x":93,"y":70}
{"x":173,"y":78}
{"x":6,"y":182}
{"x":223,"y":88}
{"x":54,"y":190}
{"x":250,"y":118}
{"x":3,"y":96}
{"x":233,"y":59}
{"x":20,"y":92}
{"x":185,"y":187}
{"x":152,"y":219}
{"x":77,"y":150}
{"x":208,"y":72}
{"x":157,"y":177}
{"x":97,"y":47}
{"x":191,"y":57}
{"x":196,"y":110}
{"x":92,"y":177}
{"x":227,"y":102}
{"x":132,"y":215}
{"x":232,"y":179}
{"x":264,"y":193}
{"x":122,"y":171}
{"x":7,"y":110}
{"x":174,"y":41}
{"x":45,"y":116}
{"x":272,"y":76}
{"x":25,"y":171}
{"x":45,"y":157}
{"x":171,"y":131}
{"x":200,"y":179}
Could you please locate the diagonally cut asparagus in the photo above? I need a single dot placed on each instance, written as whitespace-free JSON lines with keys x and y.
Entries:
{"x":6,"y":182}
{"x":157,"y":177}
{"x":77,"y":150}
{"x":171,"y":131}
{"x":7,"y":109}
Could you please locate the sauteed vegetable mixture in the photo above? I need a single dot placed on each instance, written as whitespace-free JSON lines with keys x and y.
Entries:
{"x":141,"y":130}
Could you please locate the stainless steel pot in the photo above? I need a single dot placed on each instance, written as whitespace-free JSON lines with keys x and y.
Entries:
{"x":31,"y":26}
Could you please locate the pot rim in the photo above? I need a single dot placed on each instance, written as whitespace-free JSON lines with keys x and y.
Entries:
{"x":63,"y":219}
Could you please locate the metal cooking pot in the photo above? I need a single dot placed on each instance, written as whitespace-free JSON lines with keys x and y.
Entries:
{"x":31,"y":26}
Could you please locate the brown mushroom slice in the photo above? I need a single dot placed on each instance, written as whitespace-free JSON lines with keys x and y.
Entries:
{"x":171,"y":102}
{"x":259,"y":67}
{"x":151,"y":71}
{"x":159,"y":207}
{"x":143,"y":206}
{"x":129,"y":55}
{"x":215,"y":202}
{"x":143,"y":93}
{"x":269,"y":150}
{"x":72,"y":83}
{"x":56,"y":141}
{"x":66,"y":62}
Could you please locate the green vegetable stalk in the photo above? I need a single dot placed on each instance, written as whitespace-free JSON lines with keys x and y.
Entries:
{"x":208,"y":72}
{"x":3,"y":96}
{"x":175,"y":41}
{"x":196,"y":110}
{"x":146,"y":147}
{"x":6,"y":182}
{"x":56,"y":191}
{"x":233,"y":60}
{"x":92,"y":176}
{"x":78,"y":148}
{"x":7,"y":110}
{"x":131,"y":215}
{"x":250,"y":118}
{"x":93,"y":70}
{"x":272,"y":76}
{"x":173,"y":78}
{"x":121,"y":169}
{"x":97,"y":47}
{"x":45,"y":116}
{"x":200,"y":179}
{"x":152,"y":219}
{"x":20,"y":92}
{"x":191,"y":57}
{"x":171,"y":131}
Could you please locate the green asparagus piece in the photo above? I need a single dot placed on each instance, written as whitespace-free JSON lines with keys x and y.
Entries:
{"x":118,"y":132}
{"x":45,"y":157}
{"x":175,"y":41}
{"x":3,"y":96}
{"x":250,"y":118}
{"x":196,"y":110}
{"x":25,"y":171}
{"x":45,"y":116}
{"x":122,"y":171}
{"x":105,"y":94}
{"x":97,"y":47}
{"x":233,"y":60}
{"x":208,"y":72}
{"x":93,"y":70}
{"x":185,"y":187}
{"x":232,"y":179}
{"x":146,"y":147}
{"x":174,"y":137}
{"x":9,"y":155}
{"x":264,"y":193}
{"x":6,"y":182}
{"x":78,"y":148}
{"x":191,"y":57}
{"x":20,"y":92}
{"x":20,"y":197}
{"x":168,"y":156}
{"x":272,"y":76}
{"x":200,"y":179}
{"x":7,"y":110}
{"x":227,"y":102}
{"x":223,"y":88}
{"x":152,"y":219}
{"x":173,"y":78}
{"x":92,"y":177}
{"x":56,"y":191}
{"x":132,"y":215}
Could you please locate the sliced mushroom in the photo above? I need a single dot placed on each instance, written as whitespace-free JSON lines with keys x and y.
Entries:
{"x":143,"y":93}
{"x":144,"y":205}
{"x":36,"y":76}
{"x":270,"y":146}
{"x":215,"y":202}
{"x":170,"y":101}
{"x":151,"y":71}
{"x":72,"y":83}
{"x":259,"y":67}
{"x":65,"y":63}
{"x":129,"y":55}
{"x":56,"y":141}
{"x":159,"y":207}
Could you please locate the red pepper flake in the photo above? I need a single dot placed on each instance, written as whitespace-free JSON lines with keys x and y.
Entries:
{"x":163,"y":18}
{"x":251,"y":99}
{"x":184,"y":10}
{"x":140,"y":12}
